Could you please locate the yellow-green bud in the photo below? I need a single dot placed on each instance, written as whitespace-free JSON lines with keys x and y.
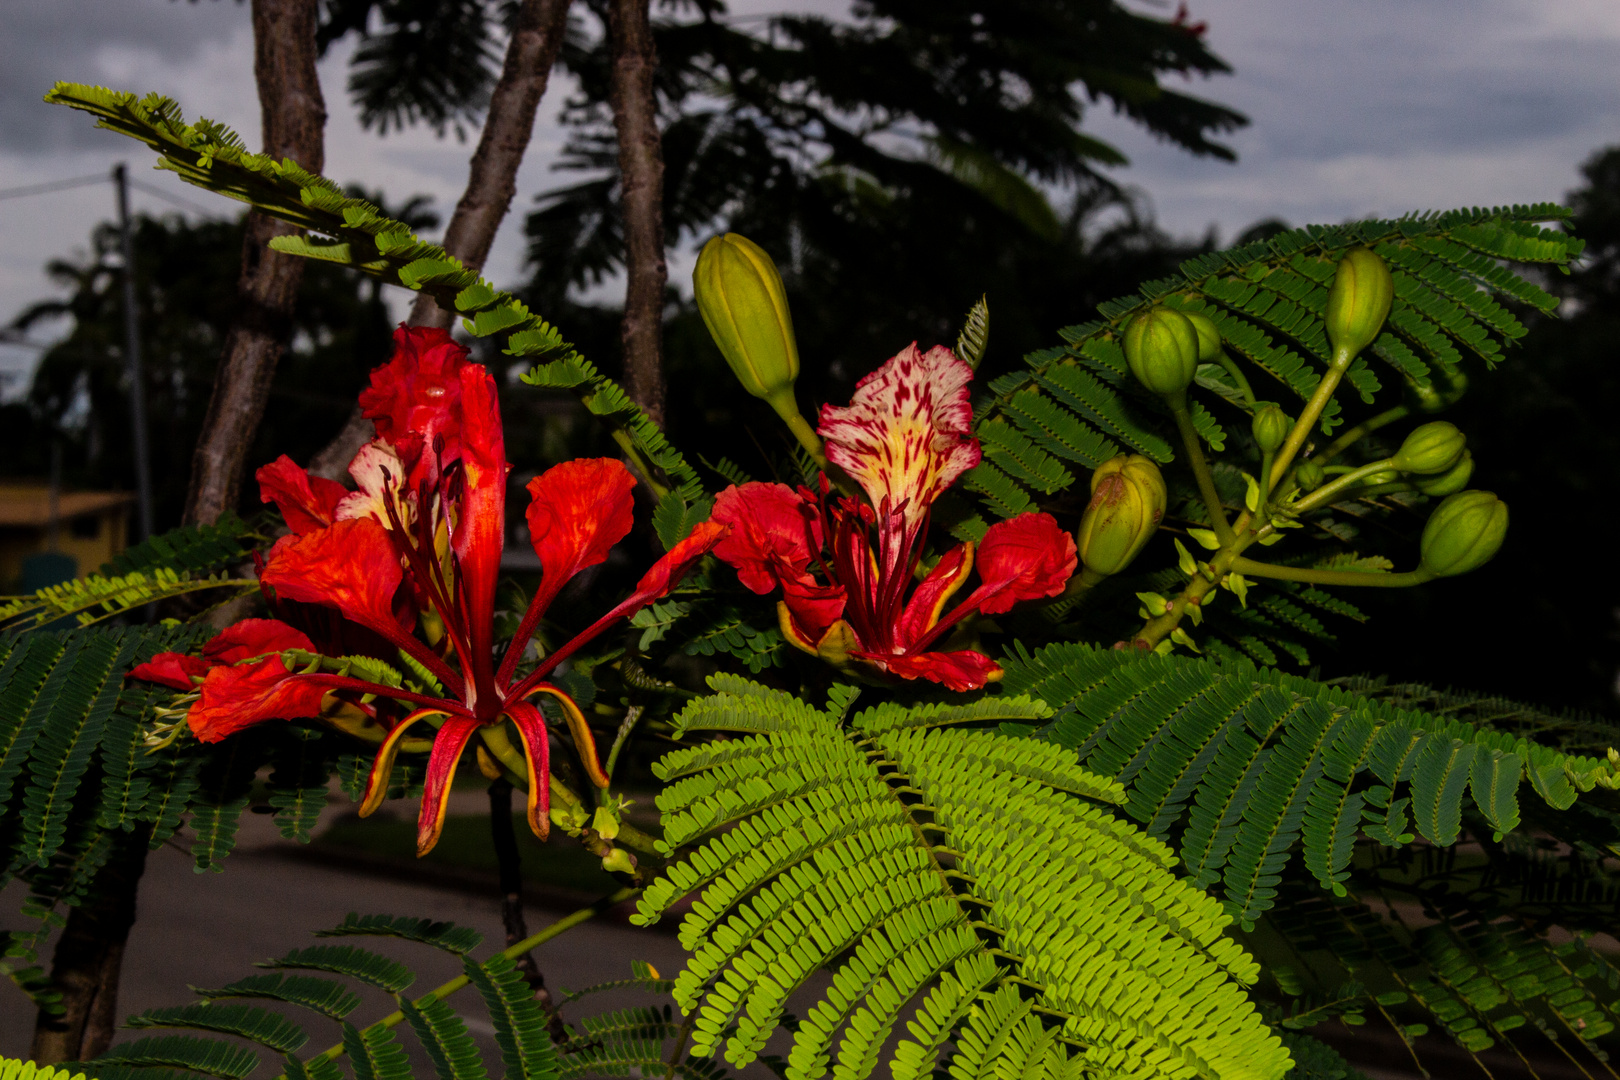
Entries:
{"x":1463,"y":533}
{"x":1209,"y":336}
{"x":1161,"y":348}
{"x":1127,"y":503}
{"x":1432,"y":448}
{"x":1310,"y":475}
{"x":1382,"y":476}
{"x":1359,"y":302}
{"x":1271,"y":426}
{"x":1447,"y":483}
{"x":744,"y":306}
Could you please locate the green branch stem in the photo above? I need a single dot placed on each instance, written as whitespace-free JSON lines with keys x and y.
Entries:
{"x":1327,"y":493}
{"x":1200,"y":467}
{"x":1233,"y":370}
{"x":1311,"y":413}
{"x":567,"y":922}
{"x":1361,"y":430}
{"x":1315,"y":576}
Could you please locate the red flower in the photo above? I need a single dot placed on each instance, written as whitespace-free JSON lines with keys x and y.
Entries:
{"x":905,"y":438}
{"x":420,"y":543}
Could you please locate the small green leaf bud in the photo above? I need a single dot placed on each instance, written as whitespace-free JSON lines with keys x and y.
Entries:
{"x":1449,"y":482}
{"x":1271,"y":427}
{"x":1432,"y":448}
{"x":1358,"y":303}
{"x":1463,"y":533}
{"x":1310,"y":475}
{"x":1161,"y":348}
{"x":1209,"y":336}
{"x":741,"y":298}
{"x":1127,"y":503}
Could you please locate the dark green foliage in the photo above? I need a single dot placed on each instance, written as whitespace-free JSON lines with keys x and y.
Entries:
{"x":375,"y":1054}
{"x":188,"y":549}
{"x":520,"y":1026}
{"x":248,"y":1021}
{"x":362,"y":964}
{"x":447,"y":936}
{"x":444,"y":1037}
{"x":1238,"y":763}
{"x":207,"y":1056}
{"x":325,"y":996}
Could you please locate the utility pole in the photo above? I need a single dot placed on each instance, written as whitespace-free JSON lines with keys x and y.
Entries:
{"x":132,"y":358}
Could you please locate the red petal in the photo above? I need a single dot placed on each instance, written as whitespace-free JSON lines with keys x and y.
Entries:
{"x":813,"y":608}
{"x":236,"y":697}
{"x":351,"y":566}
{"x":171,"y":669}
{"x":415,"y":398}
{"x":577,"y":511}
{"x":665,"y":574}
{"x":441,"y":769}
{"x":774,"y":533}
{"x":480,"y":528}
{"x":1024,"y":558}
{"x":254,"y":637}
{"x":907,"y":434}
{"x":531,"y":726}
{"x":928,"y":600}
{"x":306,"y":502}
{"x":965,"y":670}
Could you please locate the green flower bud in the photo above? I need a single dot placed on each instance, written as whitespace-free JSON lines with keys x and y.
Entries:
{"x":1209,"y":336}
{"x":1359,"y":301}
{"x":1382,"y":476}
{"x":1310,"y":475}
{"x":1449,"y":482}
{"x":745,"y":308}
{"x":1463,"y":533}
{"x":1271,"y":426}
{"x":1432,"y":448}
{"x":1127,"y":503}
{"x":1162,"y":349}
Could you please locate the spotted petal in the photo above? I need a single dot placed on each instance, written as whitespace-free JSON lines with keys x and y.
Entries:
{"x":906,"y":435}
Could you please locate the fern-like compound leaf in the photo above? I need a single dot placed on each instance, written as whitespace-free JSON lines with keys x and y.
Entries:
{"x":1244,"y":763}
{"x":375,"y":1053}
{"x":444,"y":1036}
{"x":457,"y":940}
{"x":962,"y":877}
{"x":362,"y":964}
{"x":520,"y":1025}
{"x":207,"y":1056}
{"x":250,"y":1022}
{"x":329,"y":998}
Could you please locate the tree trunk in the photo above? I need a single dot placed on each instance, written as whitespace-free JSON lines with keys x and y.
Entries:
{"x":88,"y":959}
{"x":641,"y":199}
{"x":491,"y":181}
{"x":293,"y":118}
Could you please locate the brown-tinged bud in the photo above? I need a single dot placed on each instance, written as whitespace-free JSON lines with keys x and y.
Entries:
{"x":1127,"y":503}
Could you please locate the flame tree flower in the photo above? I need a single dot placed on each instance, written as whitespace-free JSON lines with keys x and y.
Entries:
{"x":904,"y":438}
{"x":405,"y":568}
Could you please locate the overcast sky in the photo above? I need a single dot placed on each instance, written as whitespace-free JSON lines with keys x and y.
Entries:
{"x":1358,"y":108}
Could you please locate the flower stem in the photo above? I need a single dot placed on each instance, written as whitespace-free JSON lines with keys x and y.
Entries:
{"x":1361,"y":430}
{"x":1233,"y":370}
{"x":1200,"y":468}
{"x":1328,"y":492}
{"x":1311,"y":575}
{"x":1312,"y":412}
{"x":512,"y":952}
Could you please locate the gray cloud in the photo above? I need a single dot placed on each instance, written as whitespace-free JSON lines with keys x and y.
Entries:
{"x":92,"y":41}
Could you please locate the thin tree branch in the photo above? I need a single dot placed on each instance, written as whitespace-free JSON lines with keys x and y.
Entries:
{"x":509,"y":862}
{"x":293,"y":119}
{"x":537,"y":37}
{"x":641,"y":200}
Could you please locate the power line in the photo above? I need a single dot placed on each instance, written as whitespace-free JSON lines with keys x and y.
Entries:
{"x":158,"y":192}
{"x":55,"y":185}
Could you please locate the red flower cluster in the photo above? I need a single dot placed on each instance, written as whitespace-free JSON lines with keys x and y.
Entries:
{"x":407,"y":566}
{"x":905,"y":438}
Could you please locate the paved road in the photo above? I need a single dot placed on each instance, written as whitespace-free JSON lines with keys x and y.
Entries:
{"x":208,"y":929}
